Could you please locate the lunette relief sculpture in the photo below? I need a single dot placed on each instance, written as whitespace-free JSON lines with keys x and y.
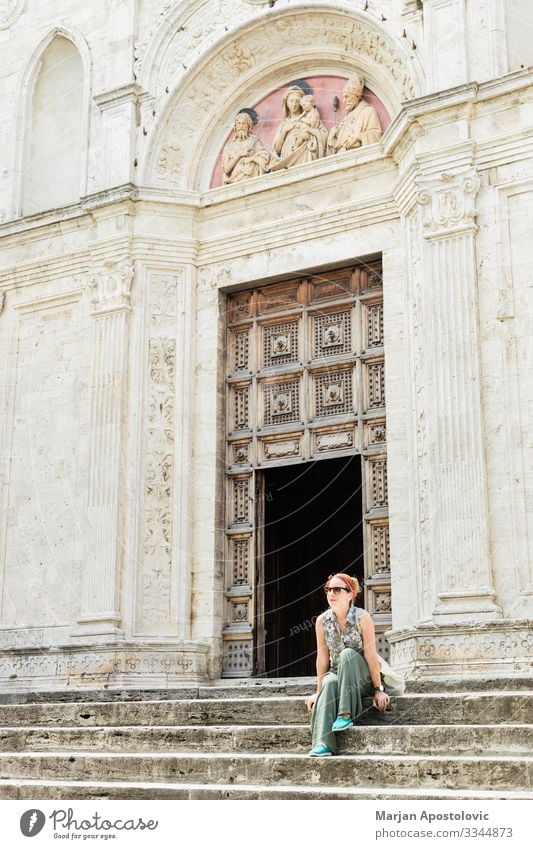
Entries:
{"x":244,"y":156}
{"x":361,"y":124}
{"x":301,"y":136}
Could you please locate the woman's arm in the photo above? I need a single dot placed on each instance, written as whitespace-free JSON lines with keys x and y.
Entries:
{"x":368,"y":633}
{"x":322,"y":662}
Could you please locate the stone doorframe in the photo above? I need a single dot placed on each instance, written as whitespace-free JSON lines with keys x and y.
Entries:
{"x":304,"y":381}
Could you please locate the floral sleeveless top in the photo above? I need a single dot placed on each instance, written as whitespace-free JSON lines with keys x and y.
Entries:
{"x":349,"y":638}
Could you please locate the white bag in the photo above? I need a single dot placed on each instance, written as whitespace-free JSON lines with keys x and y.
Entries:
{"x":393,"y":682}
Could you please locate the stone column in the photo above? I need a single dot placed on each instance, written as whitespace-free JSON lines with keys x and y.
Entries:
{"x":100,"y":614}
{"x":459,"y":536}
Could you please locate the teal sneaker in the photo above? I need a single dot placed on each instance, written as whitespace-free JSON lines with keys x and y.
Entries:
{"x":342,"y":723}
{"x":320,"y":751}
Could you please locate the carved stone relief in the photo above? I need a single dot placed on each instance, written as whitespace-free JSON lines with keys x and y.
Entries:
{"x":156,"y":568}
{"x":449,"y":206}
{"x":111,"y":288}
{"x":300,"y":31}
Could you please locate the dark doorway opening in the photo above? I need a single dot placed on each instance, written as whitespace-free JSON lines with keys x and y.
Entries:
{"x":312,"y":527}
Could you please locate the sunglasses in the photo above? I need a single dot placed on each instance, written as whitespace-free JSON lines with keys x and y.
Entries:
{"x":336,"y":590}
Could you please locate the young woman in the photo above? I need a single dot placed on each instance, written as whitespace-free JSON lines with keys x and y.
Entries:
{"x":347,"y":665}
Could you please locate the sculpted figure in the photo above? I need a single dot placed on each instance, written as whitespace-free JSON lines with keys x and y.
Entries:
{"x":302,"y":135}
{"x":361,"y":124}
{"x":244,"y":156}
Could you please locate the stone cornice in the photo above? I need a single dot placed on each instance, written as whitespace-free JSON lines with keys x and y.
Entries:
{"x":127,"y":93}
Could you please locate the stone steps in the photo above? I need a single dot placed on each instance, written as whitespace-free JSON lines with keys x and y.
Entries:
{"x":252,"y":743}
{"x":503,"y":772}
{"x":424,"y":740}
{"x":415,"y":709}
{"x":39,"y":789}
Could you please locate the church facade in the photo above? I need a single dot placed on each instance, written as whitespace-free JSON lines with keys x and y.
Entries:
{"x":265,"y":315}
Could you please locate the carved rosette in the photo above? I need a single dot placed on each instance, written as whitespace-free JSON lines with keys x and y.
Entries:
{"x":155,"y":611}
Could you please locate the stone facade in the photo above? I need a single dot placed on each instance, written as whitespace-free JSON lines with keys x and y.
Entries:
{"x":115,"y":260}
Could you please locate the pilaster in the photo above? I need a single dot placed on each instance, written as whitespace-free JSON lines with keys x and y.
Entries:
{"x":458,"y":486}
{"x":162,"y":597}
{"x":100,"y":614}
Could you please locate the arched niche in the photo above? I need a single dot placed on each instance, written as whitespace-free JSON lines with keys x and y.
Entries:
{"x":53,"y":166}
{"x":244,"y":66}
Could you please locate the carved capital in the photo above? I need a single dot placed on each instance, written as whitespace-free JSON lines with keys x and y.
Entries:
{"x":111,"y":288}
{"x":449,"y":205}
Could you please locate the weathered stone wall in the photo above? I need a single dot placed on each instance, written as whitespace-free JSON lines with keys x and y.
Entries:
{"x":111,"y":333}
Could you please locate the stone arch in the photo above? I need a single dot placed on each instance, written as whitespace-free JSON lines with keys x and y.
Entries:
{"x":58,"y":72}
{"x":255,"y":59}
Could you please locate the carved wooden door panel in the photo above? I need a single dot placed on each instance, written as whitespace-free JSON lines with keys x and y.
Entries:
{"x":304,"y":381}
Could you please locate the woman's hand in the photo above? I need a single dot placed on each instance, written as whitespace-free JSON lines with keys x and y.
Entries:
{"x":381,"y":701}
{"x":310,"y":702}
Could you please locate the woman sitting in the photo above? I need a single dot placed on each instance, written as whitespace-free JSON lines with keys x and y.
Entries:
{"x":344,"y":675}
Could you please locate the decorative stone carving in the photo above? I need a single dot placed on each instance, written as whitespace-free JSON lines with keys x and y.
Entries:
{"x":169,"y":166}
{"x":360,"y":126}
{"x":10,"y":10}
{"x":449,"y":207}
{"x":244,"y":156}
{"x":111,"y":288}
{"x":154,"y":608}
{"x":302,"y":31}
{"x":302,"y":136}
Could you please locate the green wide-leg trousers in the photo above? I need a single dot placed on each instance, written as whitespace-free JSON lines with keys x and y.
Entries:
{"x":342,"y":691}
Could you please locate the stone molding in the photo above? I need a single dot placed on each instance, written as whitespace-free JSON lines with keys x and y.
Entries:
{"x":469,"y":649}
{"x":130,"y":664}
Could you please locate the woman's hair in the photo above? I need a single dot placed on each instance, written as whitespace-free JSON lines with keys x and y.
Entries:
{"x":353,"y":583}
